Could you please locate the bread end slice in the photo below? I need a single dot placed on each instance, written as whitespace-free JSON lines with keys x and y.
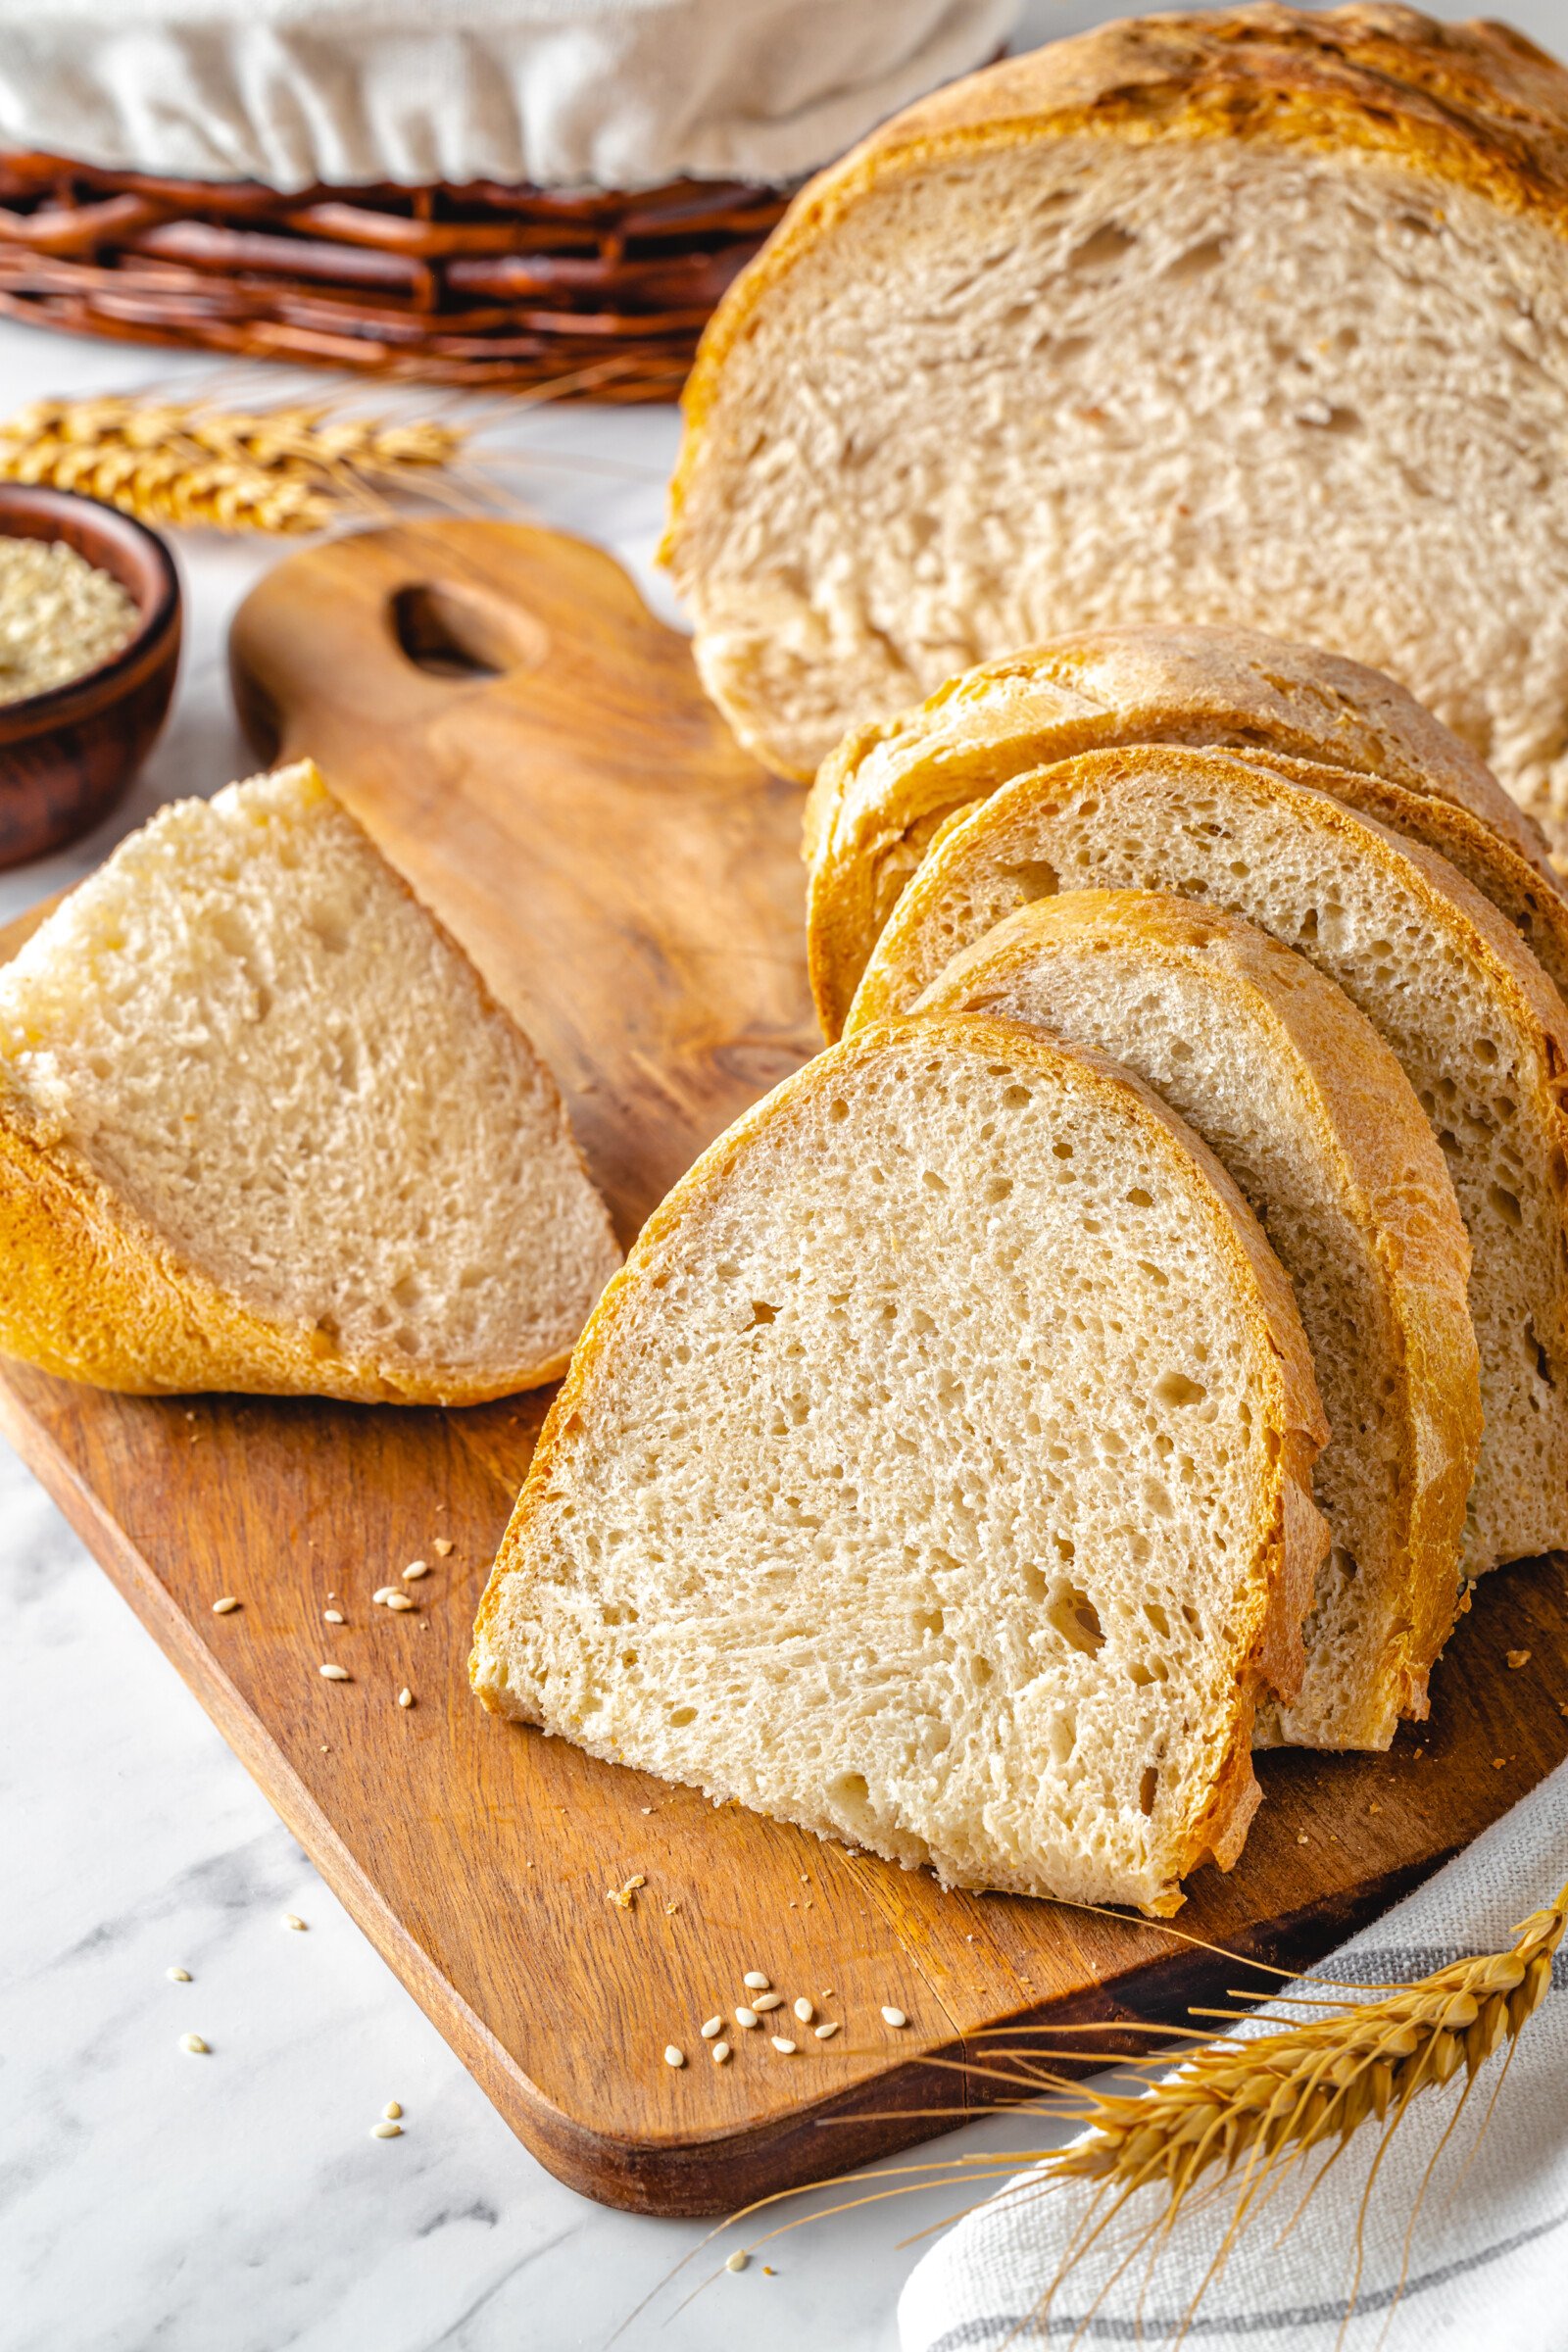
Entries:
{"x":263,"y":1128}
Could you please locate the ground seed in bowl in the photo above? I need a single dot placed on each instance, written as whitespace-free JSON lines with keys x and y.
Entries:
{"x":59,"y":616}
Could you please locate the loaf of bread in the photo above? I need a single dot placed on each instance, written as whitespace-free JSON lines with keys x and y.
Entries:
{"x":1306,"y":1107}
{"x":1480,"y":1031}
{"x":935,"y":1475}
{"x":263,"y":1128}
{"x":1248,"y":316}
{"x":888,"y":788}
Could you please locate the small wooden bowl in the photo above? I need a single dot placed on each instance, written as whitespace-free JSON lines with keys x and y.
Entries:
{"x":67,"y":755}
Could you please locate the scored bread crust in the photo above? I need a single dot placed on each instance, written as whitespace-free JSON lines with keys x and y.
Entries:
{"x":881,"y":797}
{"x":93,"y":1291}
{"x":1390,"y":1178}
{"x":1293,"y":1538}
{"x":1474,"y":106}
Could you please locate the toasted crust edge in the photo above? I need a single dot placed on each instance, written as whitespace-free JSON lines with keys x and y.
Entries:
{"x":1290,"y":1550}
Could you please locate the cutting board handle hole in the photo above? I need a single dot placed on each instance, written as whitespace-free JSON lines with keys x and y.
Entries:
{"x":456,"y":633}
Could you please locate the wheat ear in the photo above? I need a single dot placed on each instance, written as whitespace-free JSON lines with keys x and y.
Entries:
{"x":1259,"y":2106}
{"x":1310,"y":2084}
{"x":284,"y":470}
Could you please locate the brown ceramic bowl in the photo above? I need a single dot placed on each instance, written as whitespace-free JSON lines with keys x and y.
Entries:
{"x":67,"y":755}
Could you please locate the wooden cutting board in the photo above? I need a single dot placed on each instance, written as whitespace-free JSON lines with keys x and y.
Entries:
{"x":533,"y":750}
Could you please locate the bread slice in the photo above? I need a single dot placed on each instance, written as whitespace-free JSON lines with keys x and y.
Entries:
{"x":1308,"y":1111}
{"x":263,"y":1128}
{"x":936,"y":1475}
{"x":1481,"y":1033}
{"x":1246,"y":315}
{"x":887,"y":789}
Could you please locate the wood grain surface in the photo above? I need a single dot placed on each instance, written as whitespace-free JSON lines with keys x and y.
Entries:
{"x":630,"y":885}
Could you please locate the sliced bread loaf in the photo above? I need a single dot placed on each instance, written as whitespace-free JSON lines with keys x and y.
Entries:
{"x":936,"y":1475}
{"x":1480,"y":1031}
{"x":884,"y":791}
{"x":1242,"y":315}
{"x":1306,"y":1107}
{"x":261,"y":1127}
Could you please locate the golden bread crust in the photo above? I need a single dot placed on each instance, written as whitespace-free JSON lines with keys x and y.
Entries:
{"x":89,"y":1292}
{"x":879,"y":799}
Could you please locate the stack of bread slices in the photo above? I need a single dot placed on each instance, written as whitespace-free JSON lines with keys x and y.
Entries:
{"x":1121,"y":1347}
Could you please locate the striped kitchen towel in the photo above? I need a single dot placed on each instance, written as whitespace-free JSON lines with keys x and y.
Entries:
{"x":1474,"y":2257}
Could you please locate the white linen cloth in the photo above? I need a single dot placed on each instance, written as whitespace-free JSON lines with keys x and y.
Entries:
{"x":567,"y":93}
{"x":1487,"y":2254}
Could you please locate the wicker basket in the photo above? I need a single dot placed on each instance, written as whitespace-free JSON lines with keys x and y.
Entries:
{"x":600,"y":296}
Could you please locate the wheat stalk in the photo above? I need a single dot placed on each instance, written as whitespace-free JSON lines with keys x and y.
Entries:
{"x":1248,"y":2110}
{"x":1304,"y":2085}
{"x":286,"y":470}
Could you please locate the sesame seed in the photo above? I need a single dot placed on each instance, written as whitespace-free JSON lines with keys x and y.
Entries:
{"x":713,"y":2028}
{"x":755,"y":1981}
{"x":399,"y":1601}
{"x":785,"y":2050}
{"x":415,"y":1570}
{"x":747,"y":2018}
{"x":722,"y":2053}
{"x":827,"y":2029}
{"x":193,"y":2045}
{"x":803,"y":2011}
{"x":392,"y":2110}
{"x":386,"y":2131}
{"x":673,"y":2056}
{"x":738,"y":2260}
{"x":222,"y":1609}
{"x":333,"y":1616}
{"x":442,"y":1547}
{"x":894,"y":2016}
{"x":404,"y":1699}
{"x":335,"y":1673}
{"x":177,"y":1976}
{"x":292,"y":1919}
{"x":767,"y":2000}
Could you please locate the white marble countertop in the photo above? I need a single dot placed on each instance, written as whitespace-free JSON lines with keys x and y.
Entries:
{"x":236,"y":2203}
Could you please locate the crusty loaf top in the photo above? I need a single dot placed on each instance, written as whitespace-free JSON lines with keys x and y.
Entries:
{"x":1476,"y":105}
